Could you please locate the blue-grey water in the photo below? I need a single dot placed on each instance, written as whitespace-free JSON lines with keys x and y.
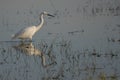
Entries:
{"x":82,"y":41}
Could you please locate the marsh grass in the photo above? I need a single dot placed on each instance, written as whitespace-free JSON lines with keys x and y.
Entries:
{"x":65,"y":63}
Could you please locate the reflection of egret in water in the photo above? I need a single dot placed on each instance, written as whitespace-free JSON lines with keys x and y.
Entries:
{"x":29,"y":49}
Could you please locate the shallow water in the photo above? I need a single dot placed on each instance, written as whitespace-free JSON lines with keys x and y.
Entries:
{"x":81,"y":42}
{"x":22,"y":61}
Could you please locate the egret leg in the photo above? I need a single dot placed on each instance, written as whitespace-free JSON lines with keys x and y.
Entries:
{"x":30,"y":39}
{"x":22,"y":41}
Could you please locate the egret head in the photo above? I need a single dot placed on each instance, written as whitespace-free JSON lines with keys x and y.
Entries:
{"x":46,"y":13}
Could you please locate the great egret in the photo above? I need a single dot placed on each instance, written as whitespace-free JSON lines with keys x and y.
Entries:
{"x":28,"y":32}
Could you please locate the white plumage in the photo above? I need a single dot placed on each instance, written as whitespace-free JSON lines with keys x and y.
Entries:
{"x":25,"y":33}
{"x":28,"y":32}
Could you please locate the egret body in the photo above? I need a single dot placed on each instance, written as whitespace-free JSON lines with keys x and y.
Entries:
{"x":28,"y":32}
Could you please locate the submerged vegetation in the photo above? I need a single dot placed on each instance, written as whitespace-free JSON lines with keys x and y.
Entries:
{"x":63,"y":62}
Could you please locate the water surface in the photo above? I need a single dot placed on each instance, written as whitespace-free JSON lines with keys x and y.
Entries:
{"x":81,"y":42}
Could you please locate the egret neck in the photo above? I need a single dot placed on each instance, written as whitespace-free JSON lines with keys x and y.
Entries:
{"x":41,"y":23}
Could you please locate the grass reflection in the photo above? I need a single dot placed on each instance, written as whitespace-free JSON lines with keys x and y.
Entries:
{"x":59,"y":59}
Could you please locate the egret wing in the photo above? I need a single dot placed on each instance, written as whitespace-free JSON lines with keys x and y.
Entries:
{"x":25,"y":32}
